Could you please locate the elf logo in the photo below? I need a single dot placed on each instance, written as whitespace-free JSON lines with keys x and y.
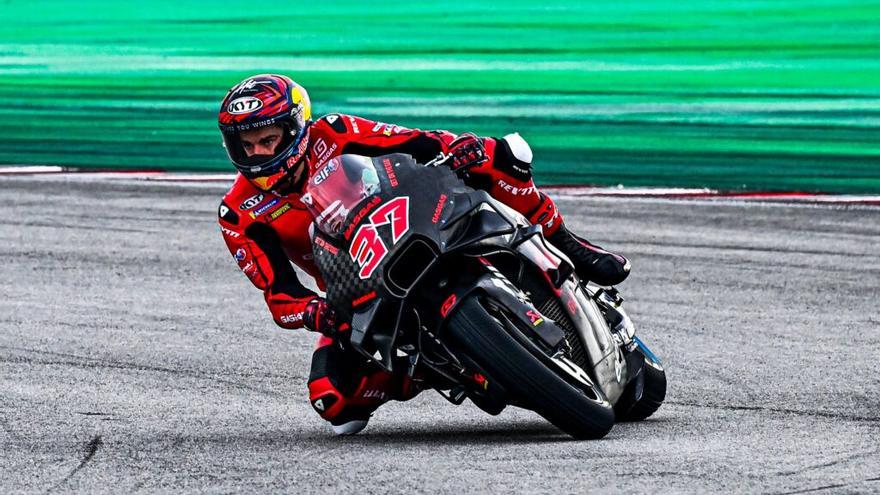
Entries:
{"x":325,"y":172}
{"x":245,"y":104}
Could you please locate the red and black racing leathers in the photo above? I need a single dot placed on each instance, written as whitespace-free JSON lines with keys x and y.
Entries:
{"x":265,"y":232}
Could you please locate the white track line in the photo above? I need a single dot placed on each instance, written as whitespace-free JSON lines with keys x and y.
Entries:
{"x":30,"y":169}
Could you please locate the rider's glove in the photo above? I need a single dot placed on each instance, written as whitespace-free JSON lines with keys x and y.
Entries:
{"x":319,"y":317}
{"x":466,"y":151}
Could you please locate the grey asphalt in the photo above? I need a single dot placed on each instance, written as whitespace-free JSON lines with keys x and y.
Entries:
{"x":135,"y":357}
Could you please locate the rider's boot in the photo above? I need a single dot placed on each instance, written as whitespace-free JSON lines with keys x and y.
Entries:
{"x":350,"y":425}
{"x":591,"y":262}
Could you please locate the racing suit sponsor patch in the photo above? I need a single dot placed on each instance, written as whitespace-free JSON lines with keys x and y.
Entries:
{"x":229,"y":232}
{"x":322,"y":152}
{"x":251,"y":202}
{"x":375,"y":394}
{"x":240,"y":254}
{"x":279,"y":211}
{"x":516,"y":191}
{"x":292,"y":319}
{"x":250,"y":269}
{"x":354,"y":125}
{"x":263,"y":209}
{"x":388,"y":129}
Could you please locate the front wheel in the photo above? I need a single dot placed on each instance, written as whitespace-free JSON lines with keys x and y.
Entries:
{"x":485,"y":340}
{"x":643,"y":395}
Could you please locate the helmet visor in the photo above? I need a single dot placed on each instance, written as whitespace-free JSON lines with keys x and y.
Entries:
{"x":259,"y":152}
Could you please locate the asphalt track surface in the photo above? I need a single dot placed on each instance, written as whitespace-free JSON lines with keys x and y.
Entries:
{"x":134,"y":357}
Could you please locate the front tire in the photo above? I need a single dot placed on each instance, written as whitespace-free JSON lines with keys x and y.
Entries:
{"x":643,"y":395}
{"x":486,"y":341}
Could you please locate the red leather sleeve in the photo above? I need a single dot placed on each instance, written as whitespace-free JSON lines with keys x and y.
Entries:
{"x":260,"y":256}
{"x":370,"y":138}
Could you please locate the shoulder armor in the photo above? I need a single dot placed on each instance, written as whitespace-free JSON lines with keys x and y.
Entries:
{"x":238,"y":198}
{"x":227,"y":214}
{"x":336,"y":122}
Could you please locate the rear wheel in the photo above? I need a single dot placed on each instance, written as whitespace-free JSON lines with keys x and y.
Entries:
{"x":522,"y":373}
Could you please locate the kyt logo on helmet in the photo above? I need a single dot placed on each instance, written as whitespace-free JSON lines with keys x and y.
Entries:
{"x":245,"y":104}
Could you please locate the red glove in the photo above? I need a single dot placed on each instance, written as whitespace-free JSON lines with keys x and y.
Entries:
{"x":467,"y":150}
{"x":319,"y":317}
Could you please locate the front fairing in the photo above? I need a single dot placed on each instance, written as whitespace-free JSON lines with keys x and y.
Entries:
{"x":359,"y":256}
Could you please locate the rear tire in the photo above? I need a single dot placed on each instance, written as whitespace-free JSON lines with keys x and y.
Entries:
{"x":486,"y":341}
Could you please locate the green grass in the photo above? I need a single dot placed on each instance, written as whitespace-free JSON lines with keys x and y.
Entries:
{"x":731,"y":95}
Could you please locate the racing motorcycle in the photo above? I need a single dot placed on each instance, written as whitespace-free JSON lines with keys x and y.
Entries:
{"x":462,"y":293}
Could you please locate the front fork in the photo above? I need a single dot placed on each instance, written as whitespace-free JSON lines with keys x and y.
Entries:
{"x":623,"y":330}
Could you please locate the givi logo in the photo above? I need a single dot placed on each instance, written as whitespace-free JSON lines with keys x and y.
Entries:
{"x":367,"y":248}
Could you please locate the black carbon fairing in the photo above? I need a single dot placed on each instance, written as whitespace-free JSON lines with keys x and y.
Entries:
{"x":409,"y":206}
{"x":386,"y":242}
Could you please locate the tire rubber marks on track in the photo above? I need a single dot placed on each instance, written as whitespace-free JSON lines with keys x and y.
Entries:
{"x":89,"y":452}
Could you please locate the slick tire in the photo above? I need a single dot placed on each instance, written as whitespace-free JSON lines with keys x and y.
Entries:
{"x":484,"y":339}
{"x":642,"y":396}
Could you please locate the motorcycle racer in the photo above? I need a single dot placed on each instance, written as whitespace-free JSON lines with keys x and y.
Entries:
{"x":276,"y":146}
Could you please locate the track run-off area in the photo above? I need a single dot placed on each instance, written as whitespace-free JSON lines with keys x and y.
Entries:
{"x":134,"y":356}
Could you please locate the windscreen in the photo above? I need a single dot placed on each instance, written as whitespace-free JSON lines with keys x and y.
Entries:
{"x":337,"y":187}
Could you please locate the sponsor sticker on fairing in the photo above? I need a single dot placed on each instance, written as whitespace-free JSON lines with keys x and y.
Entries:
{"x":534,"y":317}
{"x":240,"y":254}
{"x":325,"y":172}
{"x":438,"y":210}
{"x":326,"y":246}
{"x":389,"y":170}
{"x":375,"y":394}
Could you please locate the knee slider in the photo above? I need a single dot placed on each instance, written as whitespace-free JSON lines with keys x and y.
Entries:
{"x":513,"y":156}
